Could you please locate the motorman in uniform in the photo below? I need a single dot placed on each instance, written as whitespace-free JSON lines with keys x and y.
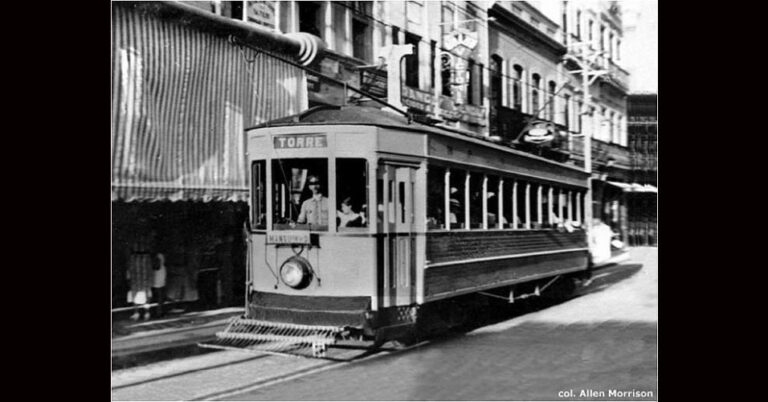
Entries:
{"x":315,"y":209}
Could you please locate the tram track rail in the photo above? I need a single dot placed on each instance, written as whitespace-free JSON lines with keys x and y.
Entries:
{"x":333,"y":364}
{"x":327,"y":364}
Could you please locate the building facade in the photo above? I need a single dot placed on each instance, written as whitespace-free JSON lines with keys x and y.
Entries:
{"x":643,"y":148}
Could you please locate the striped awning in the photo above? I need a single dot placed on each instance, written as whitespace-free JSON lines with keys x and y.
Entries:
{"x":634,"y":187}
{"x":181,"y":97}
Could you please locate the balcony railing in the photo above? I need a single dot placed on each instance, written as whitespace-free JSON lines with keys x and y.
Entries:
{"x":602,"y":152}
{"x":618,"y":74}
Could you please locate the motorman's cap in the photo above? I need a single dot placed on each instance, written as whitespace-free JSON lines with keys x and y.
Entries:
{"x":314,"y":179}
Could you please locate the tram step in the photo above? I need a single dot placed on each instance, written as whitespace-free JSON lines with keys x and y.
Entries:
{"x":278,"y":338}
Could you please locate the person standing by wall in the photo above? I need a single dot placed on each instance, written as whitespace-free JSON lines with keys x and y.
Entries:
{"x":159,"y":274}
{"x":139,"y":277}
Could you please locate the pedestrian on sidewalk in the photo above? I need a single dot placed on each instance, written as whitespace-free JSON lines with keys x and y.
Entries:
{"x":139,"y":277}
{"x":158,"y":281}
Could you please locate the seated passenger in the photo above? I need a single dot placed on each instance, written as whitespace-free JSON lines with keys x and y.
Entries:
{"x":347,"y":217}
{"x":455,"y":209}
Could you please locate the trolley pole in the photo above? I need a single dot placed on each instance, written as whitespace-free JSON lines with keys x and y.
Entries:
{"x":588,"y":76}
{"x":588,"y":204}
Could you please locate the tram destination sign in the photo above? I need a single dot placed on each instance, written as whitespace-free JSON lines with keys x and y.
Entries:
{"x":289,"y":237}
{"x":300,"y":141}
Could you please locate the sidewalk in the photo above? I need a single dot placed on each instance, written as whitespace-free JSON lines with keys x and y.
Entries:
{"x":134,"y":340}
{"x":617,"y":257}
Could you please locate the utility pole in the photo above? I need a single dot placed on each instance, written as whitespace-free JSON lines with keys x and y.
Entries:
{"x":588,"y":76}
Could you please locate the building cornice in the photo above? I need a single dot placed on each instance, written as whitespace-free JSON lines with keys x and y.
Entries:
{"x":507,"y":21}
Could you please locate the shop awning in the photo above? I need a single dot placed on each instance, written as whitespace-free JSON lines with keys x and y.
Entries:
{"x":154,"y":192}
{"x":634,"y":187}
{"x":181,"y":96}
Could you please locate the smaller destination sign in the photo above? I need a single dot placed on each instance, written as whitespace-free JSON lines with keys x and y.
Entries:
{"x":300,"y":141}
{"x":288,"y":237}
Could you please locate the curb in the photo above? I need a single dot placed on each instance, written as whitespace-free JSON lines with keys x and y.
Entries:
{"x":165,"y":339}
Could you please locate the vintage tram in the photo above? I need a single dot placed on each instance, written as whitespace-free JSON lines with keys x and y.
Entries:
{"x":367,"y":225}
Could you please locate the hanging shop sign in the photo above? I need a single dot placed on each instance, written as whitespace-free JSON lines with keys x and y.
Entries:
{"x":539,"y":132}
{"x":460,"y":43}
{"x":261,"y":12}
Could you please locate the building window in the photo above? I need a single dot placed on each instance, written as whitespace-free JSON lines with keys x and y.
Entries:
{"x":611,"y":52}
{"x":517,"y":88}
{"x":480,"y":84}
{"x":231,"y":9}
{"x":604,"y":135}
{"x":412,"y":61}
{"x":602,"y":37}
{"x":612,"y":127}
{"x":445,"y":74}
{"x":285,"y":16}
{"x":565,"y":27}
{"x":535,"y":87}
{"x":618,"y":49}
{"x":496,"y":82}
{"x":362,"y":8}
{"x":577,"y":121}
{"x":590,"y":27}
{"x":470,"y":83}
{"x":578,"y":24}
{"x":447,"y":18}
{"x":432,"y":55}
{"x":310,"y":18}
{"x":567,"y":111}
{"x":552,"y":89}
{"x":395,"y":35}
{"x":361,"y":39}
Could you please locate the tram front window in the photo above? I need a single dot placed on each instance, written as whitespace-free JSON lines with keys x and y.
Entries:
{"x":300,"y":195}
{"x":351,"y":194}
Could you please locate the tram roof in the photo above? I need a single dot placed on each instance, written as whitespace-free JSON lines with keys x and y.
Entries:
{"x":352,"y":115}
{"x":372,"y":116}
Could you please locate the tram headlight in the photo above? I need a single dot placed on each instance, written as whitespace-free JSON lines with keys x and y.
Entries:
{"x":296,"y":272}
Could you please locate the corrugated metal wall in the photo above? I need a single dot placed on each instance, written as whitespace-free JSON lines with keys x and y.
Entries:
{"x":181,"y":98}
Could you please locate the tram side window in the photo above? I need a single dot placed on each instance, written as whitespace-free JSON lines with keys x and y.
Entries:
{"x":521,"y":219}
{"x":476,"y":201}
{"x":259,"y":197}
{"x":545,"y":207}
{"x":556,"y":218}
{"x":436,"y":197}
{"x":457,"y":199}
{"x":507,"y":212}
{"x":493,"y":202}
{"x":535,"y":206}
{"x":351,"y":194}
{"x":300,"y":194}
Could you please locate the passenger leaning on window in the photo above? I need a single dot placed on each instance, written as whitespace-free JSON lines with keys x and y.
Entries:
{"x":347,"y":217}
{"x":314,"y":210}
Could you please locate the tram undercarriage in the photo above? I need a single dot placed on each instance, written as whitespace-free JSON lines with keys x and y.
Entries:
{"x":278,"y":325}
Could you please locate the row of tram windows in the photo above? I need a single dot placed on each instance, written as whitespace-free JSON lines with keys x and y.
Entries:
{"x":300,"y":195}
{"x":475,"y":200}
